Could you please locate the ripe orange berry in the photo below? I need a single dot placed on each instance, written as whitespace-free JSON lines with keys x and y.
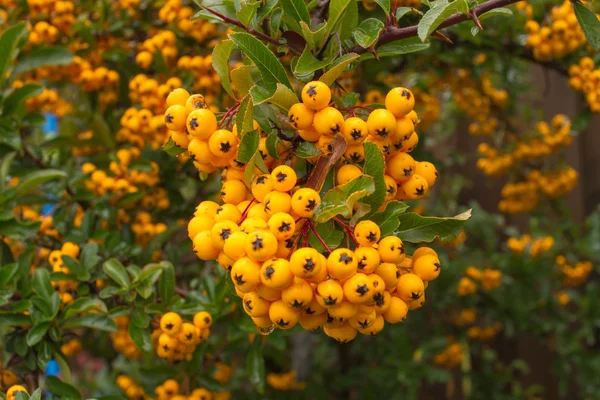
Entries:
{"x":201,"y":123}
{"x":415,"y":187}
{"x":283,"y":178}
{"x":381,"y":123}
{"x":347,"y":172}
{"x":235,"y":245}
{"x":427,"y":267}
{"x":368,"y":259}
{"x":245,"y":274}
{"x":410,"y":287}
{"x":328,"y":121}
{"x":391,"y":250}
{"x":175,"y":118}
{"x":305,"y":202}
{"x":401,"y":167}
{"x":276,"y":202}
{"x":330,"y":293}
{"x":177,"y":96}
{"x":261,"y":186}
{"x":305,"y":263}
{"x":282,"y":225}
{"x":428,"y":171}
{"x":355,"y":130}
{"x":400,"y":101}
{"x":276,"y":274}
{"x":389,"y":273}
{"x":204,"y":247}
{"x":297,"y":295}
{"x":300,"y":116}
{"x":170,"y":323}
{"x":367,"y":233}
{"x":396,"y":311}
{"x":261,"y":245}
{"x":254,"y":305}
{"x":282,"y":315}
{"x":358,"y":289}
{"x":221,"y":231}
{"x":342,"y":264}
{"x":202,"y":320}
{"x":223,"y":143}
{"x":316,"y":95}
{"x":233,"y":191}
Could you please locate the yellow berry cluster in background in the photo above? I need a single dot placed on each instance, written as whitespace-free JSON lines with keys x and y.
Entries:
{"x":64,"y":287}
{"x":488,"y":278}
{"x":121,"y":339}
{"x":533,"y":247}
{"x":574,"y":274}
{"x":585,"y":77}
{"x":176,"y":339}
{"x":450,"y":357}
{"x":556,"y":37}
{"x":284,"y":381}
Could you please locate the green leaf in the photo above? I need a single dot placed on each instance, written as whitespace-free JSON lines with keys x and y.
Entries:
{"x":502,"y":11}
{"x":223,"y":7}
{"x":141,"y":337}
{"x":160,"y":65}
{"x":17,"y":97}
{"x":101,"y":130}
{"x":397,"y":48}
{"x":415,"y":228}
{"x":440,"y":11}
{"x":245,"y":117}
{"x":89,"y":256}
{"x":590,"y":25}
{"x":5,"y":167}
{"x":272,"y":144}
{"x":258,"y":162}
{"x":37,"y":333}
{"x":341,"y":199}
{"x":402,"y":11}
{"x":331,"y":236}
{"x":337,"y":68}
{"x":92,"y":321}
{"x":255,"y":366}
{"x":80,"y":272}
{"x":295,"y":12}
{"x":368,"y":32}
{"x":61,"y":389}
{"x":336,"y":10}
{"x":140,"y":318}
{"x":268,"y":65}
{"x":36,"y":395}
{"x":248,"y":146}
{"x":41,"y":283}
{"x":36,"y":178}
{"x":387,"y":220}
{"x":166,"y":285}
{"x":374,"y":167}
{"x":247,"y":10}
{"x":16,"y":229}
{"x":220,"y":62}
{"x":116,"y":271}
{"x":277,"y":94}
{"x":307,"y":64}
{"x":171,"y":149}
{"x":7,"y":272}
{"x":8,"y":46}
{"x":83,"y":305}
{"x":44,"y":56}
{"x":313,"y":37}
{"x":150,"y":273}
{"x":241,"y":79}
{"x":349,"y":21}
{"x":307,"y":150}
{"x":12,"y":319}
{"x":385,"y":5}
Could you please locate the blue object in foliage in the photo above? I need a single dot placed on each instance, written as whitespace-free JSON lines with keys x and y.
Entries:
{"x":52,"y":369}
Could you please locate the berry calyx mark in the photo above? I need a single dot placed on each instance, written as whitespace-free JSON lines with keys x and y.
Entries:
{"x":371,"y":237}
{"x":330,"y":301}
{"x":285,"y":227}
{"x":415,"y":296}
{"x":239,"y":279}
{"x":309,"y":311}
{"x":169,"y":118}
{"x":345,"y":258}
{"x":297,"y":304}
{"x":269,"y":271}
{"x":364,"y":324}
{"x":225,"y":147}
{"x":356,"y":134}
{"x":362,"y":289}
{"x":405,"y":93}
{"x":378,"y":299}
{"x":225,"y":233}
{"x":261,"y":180}
{"x":169,"y":326}
{"x":281,"y":177}
{"x":420,"y":191}
{"x":257,"y":244}
{"x":407,"y":172}
{"x":193,"y":122}
{"x":311,"y":91}
{"x":248,"y":304}
{"x":309,"y":264}
{"x":437,"y":266}
{"x":282,"y":322}
{"x":311,"y":205}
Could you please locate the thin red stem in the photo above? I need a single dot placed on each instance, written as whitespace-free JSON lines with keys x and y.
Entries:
{"x":245,"y":213}
{"x":349,"y":230}
{"x":312,"y":228}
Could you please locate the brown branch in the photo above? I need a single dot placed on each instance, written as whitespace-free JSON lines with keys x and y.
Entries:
{"x":475,"y":19}
{"x":325,"y":163}
{"x":394,"y":33}
{"x":252,"y":31}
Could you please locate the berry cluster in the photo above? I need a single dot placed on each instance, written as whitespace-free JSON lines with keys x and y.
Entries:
{"x":260,"y":232}
{"x":534,"y":247}
{"x":574,"y":274}
{"x":177,"y":339}
{"x":71,"y":348}
{"x":284,"y":381}
{"x":179,"y":16}
{"x":64,"y":287}
{"x":488,"y":278}
{"x":11,"y":392}
{"x":451,"y":357}
{"x":163,"y":42}
{"x":122,"y":341}
{"x":585,"y":78}
{"x":130,"y":388}
{"x":561,"y":34}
